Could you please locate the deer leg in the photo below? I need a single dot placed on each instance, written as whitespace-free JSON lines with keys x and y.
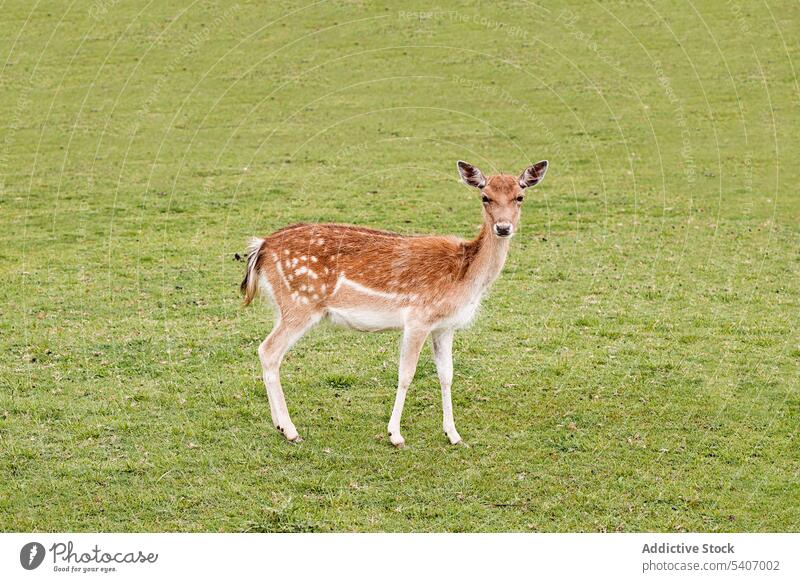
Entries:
{"x":271,"y":353}
{"x":410,"y":347}
{"x":443,"y":357}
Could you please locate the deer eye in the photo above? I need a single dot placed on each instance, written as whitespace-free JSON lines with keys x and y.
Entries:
{"x":520,"y":198}
{"x":485,"y":199}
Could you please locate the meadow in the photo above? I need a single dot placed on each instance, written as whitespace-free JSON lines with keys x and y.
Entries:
{"x":634,"y":368}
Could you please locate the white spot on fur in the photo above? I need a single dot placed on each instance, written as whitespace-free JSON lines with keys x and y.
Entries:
{"x":315,"y":297}
{"x":280,"y":272}
{"x":294,"y":262}
{"x":285,"y":251}
{"x":313,"y":259}
{"x":301,"y":271}
{"x":303,"y":258}
{"x":304,"y":299}
{"x":312,"y":274}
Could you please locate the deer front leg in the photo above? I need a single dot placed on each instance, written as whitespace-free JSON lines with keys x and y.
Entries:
{"x":443,"y":357}
{"x":410,"y":347}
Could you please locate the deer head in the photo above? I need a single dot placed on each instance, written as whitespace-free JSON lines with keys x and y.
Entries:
{"x":502,"y":195}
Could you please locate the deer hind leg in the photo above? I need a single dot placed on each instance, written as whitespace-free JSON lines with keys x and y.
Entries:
{"x":413,"y":340}
{"x":443,"y":358}
{"x":271,"y":352}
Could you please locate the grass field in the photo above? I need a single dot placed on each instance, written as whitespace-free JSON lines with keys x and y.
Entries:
{"x":634,"y":368}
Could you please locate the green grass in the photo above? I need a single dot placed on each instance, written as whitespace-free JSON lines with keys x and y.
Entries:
{"x":634,"y":368}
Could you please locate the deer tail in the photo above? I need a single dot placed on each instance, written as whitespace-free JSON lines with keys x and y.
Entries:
{"x":249,"y":286}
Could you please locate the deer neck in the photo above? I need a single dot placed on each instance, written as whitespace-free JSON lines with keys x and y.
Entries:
{"x":489,"y":254}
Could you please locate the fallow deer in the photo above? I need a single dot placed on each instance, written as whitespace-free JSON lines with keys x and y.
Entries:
{"x":373,"y":280}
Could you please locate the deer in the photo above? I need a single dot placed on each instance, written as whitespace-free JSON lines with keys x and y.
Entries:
{"x":374,"y":280}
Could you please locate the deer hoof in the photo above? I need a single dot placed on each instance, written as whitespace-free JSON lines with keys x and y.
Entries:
{"x":398,"y":441}
{"x":455,"y":439}
{"x":290,"y":433}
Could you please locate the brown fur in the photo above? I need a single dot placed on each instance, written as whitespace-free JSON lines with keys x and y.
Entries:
{"x":373,"y":279}
{"x":379,"y":259}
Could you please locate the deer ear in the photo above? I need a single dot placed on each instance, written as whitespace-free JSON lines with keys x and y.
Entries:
{"x":533,"y":174}
{"x":471,"y":175}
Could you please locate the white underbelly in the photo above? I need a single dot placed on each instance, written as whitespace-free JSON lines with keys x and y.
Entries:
{"x":365,"y":319}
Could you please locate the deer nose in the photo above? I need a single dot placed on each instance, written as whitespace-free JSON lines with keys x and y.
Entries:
{"x":503,"y":229}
